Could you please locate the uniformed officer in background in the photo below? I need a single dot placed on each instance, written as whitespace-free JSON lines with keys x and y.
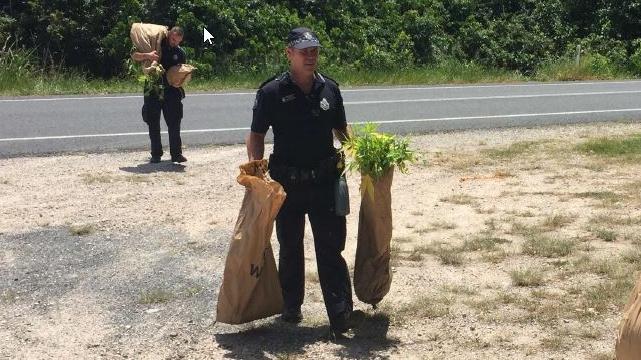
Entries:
{"x":162,"y":96}
{"x":305,"y":110}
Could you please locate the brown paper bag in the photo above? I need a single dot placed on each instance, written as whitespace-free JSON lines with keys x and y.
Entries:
{"x":372,"y":272}
{"x":628,"y":345}
{"x":179,"y":75}
{"x":147,"y":38}
{"x":251,"y":289}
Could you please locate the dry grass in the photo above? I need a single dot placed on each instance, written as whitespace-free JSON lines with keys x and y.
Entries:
{"x":556,"y":221}
{"x":422,"y":307}
{"x":483,"y":242}
{"x":604,"y":234}
{"x":527,"y":277}
{"x":8,"y":296}
{"x":450,"y":256}
{"x":459,"y":199}
{"x":539,"y":245}
{"x":81,"y":230}
{"x":435,"y":226}
{"x":155,"y":296}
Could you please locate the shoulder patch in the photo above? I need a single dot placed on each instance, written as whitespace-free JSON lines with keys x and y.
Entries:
{"x":329,"y":78}
{"x":266,"y":81}
{"x":275,"y":77}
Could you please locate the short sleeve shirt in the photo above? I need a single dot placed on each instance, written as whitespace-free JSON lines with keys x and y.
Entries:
{"x":171,"y":56}
{"x":302,"y":124}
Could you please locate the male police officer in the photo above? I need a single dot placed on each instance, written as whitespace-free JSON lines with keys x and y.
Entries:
{"x":162,"y":96}
{"x":304,"y":108}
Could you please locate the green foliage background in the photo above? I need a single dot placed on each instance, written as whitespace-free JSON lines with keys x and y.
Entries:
{"x":92,"y":36}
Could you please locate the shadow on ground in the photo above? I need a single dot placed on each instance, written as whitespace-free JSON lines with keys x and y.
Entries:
{"x":366,"y":340}
{"x":149,"y":168}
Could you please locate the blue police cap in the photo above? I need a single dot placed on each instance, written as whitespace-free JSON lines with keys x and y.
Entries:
{"x":302,"y":38}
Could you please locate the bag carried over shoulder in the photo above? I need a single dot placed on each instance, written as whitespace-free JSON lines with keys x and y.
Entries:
{"x":628,"y":345}
{"x":147,"y":38}
{"x":250,"y":289}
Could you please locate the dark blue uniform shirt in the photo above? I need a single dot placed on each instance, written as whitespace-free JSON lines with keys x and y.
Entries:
{"x":169,"y":57}
{"x":302,"y":124}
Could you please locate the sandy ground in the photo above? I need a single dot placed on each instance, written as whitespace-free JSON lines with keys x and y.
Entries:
{"x":107,"y":256}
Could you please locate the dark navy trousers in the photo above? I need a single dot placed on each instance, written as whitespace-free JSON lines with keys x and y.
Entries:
{"x":329,"y":230}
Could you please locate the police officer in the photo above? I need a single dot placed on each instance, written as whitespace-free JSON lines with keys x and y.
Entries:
{"x":162,"y":96}
{"x":305,"y":109}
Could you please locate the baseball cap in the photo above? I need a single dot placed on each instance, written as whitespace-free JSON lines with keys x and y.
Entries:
{"x":302,"y":38}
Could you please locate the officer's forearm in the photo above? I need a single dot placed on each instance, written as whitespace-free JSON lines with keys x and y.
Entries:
{"x":342,"y":134}
{"x":139,"y":56}
{"x":255,"y":146}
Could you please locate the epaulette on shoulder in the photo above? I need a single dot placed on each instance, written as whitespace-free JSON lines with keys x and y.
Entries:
{"x":328,"y":78}
{"x":278,"y":77}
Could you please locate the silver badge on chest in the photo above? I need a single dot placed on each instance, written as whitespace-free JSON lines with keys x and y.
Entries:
{"x":324,"y":104}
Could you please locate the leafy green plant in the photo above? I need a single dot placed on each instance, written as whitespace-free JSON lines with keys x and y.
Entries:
{"x":373,"y":153}
{"x":153,"y":80}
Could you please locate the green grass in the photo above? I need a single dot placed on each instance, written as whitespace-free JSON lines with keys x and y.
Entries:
{"x":628,"y":147}
{"x":544,"y":246}
{"x":591,"y":67}
{"x":19,"y":77}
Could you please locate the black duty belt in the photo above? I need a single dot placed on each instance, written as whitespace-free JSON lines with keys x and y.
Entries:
{"x":324,"y":173}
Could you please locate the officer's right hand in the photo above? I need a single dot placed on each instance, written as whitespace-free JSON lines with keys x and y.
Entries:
{"x":153,"y":56}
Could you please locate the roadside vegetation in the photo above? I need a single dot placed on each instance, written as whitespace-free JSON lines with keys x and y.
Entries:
{"x":364,"y":43}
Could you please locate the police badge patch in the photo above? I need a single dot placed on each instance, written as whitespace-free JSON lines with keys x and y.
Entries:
{"x":324,"y":104}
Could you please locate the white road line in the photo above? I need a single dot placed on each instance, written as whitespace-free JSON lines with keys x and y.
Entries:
{"x":116,"y":134}
{"x":506,"y":116}
{"x":342,"y":90}
{"x":491,"y":97}
{"x":494,"y":86}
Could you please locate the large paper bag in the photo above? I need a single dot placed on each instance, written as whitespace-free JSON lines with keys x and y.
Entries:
{"x":372,"y":272}
{"x":147,"y":38}
{"x":628,"y":345}
{"x":251,"y":289}
{"x":179,"y":75}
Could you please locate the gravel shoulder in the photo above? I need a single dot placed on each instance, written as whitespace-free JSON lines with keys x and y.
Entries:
{"x":107,"y":256}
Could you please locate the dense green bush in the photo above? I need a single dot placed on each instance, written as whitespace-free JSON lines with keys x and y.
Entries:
{"x":91,"y":36}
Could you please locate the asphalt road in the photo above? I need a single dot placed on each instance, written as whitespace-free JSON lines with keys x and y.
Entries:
{"x":103,"y":123}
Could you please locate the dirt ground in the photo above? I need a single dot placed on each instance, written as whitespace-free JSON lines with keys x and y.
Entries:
{"x":508,"y":244}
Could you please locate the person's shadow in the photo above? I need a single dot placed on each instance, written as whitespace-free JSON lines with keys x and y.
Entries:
{"x":368,"y":336}
{"x":149,"y":168}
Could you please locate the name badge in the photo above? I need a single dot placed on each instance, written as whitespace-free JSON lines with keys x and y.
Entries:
{"x":288,"y":98}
